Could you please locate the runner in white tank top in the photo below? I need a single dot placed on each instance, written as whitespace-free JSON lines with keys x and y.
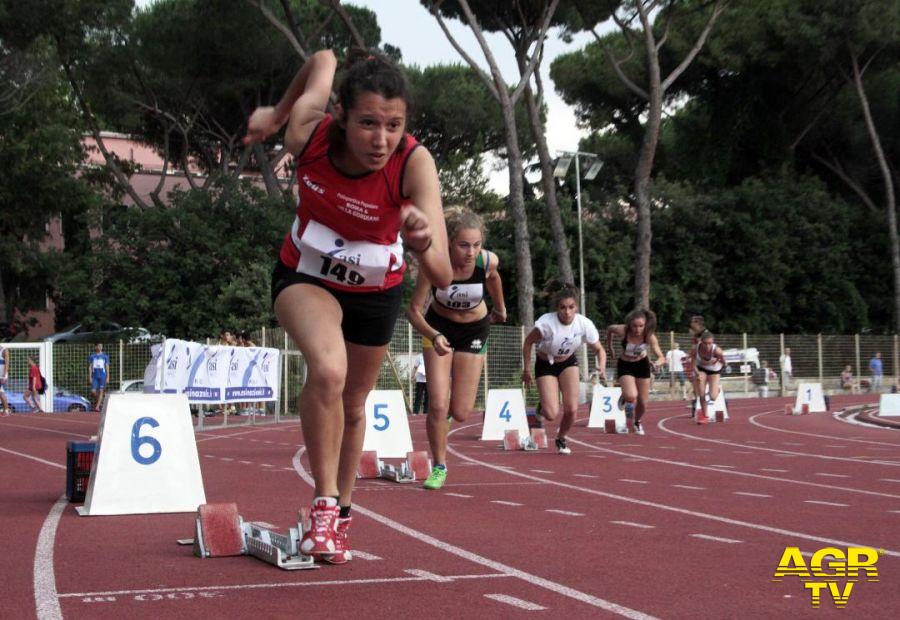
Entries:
{"x":709,"y":360}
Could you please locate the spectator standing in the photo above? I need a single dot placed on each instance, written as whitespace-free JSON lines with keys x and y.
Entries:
{"x":98,"y":371}
{"x":675,"y":362}
{"x":876,"y":368}
{"x":35,"y":386}
{"x":421,"y":397}
{"x":787,"y":368}
{"x":4,"y":378}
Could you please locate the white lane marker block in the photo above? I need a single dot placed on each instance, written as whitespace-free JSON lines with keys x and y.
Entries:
{"x":605,"y":406}
{"x":515,"y":602}
{"x":541,"y":471}
{"x":832,"y":475}
{"x":584,"y":476}
{"x":362,"y":555}
{"x":725,"y":466}
{"x":888,"y":480}
{"x":821,"y":503}
{"x":748,"y":494}
{"x":505,"y":411}
{"x":730,"y":541}
{"x":567,"y":513}
{"x":462,"y":495}
{"x":643,"y":526}
{"x":777,"y":471}
{"x":503,"y":503}
{"x":791,"y":443}
{"x":689,"y":487}
{"x":634,"y":481}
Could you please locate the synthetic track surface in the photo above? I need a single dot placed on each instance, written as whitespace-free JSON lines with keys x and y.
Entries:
{"x":685,"y":521}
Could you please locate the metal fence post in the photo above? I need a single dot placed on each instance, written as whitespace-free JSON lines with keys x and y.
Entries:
{"x":121,"y":362}
{"x":263,"y":338}
{"x":856,"y":346}
{"x":409,"y":350}
{"x":780,"y":368}
{"x":896,"y":372}
{"x":821,"y":371}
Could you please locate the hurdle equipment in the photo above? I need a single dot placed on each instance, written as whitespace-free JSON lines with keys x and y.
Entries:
{"x":417,"y":466}
{"x":219,"y":531}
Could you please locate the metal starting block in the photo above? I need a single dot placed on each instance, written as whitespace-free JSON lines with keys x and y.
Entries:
{"x":417,"y":466}
{"x":219,"y":531}
{"x":529,"y":443}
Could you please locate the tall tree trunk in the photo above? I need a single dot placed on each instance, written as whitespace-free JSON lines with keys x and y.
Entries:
{"x":557,"y":231}
{"x":889,"y":196}
{"x":642,"y":173}
{"x":524,"y":273}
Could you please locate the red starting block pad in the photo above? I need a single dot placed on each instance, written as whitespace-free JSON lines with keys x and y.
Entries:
{"x":513,"y":441}
{"x":220,"y":531}
{"x":417,"y":466}
{"x":539,"y":437}
{"x":720,"y":416}
{"x":804,"y":409}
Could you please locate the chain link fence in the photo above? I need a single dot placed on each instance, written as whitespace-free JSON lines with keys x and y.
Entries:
{"x":816,"y":358}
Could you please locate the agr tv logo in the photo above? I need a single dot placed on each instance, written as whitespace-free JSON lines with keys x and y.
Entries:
{"x":830,"y":569}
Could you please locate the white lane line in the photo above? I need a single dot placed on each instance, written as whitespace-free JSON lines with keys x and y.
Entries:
{"x":754,"y":422}
{"x":505,"y":569}
{"x":462,"y":495}
{"x":888,"y":480}
{"x":643,"y":526}
{"x":666,"y":447}
{"x":597,"y":456}
{"x":424,"y":574}
{"x":730,"y":541}
{"x":777,"y":471}
{"x":209,"y":456}
{"x":584,"y":476}
{"x":248,"y":463}
{"x":725,"y":466}
{"x":46,"y":430}
{"x":225,"y":458}
{"x":33,"y":458}
{"x":791,"y":443}
{"x":46,"y":597}
{"x":634,"y":481}
{"x":778,"y":452}
{"x":362,"y":555}
{"x":687,"y":486}
{"x":515,"y":602}
{"x":831,"y":475}
{"x":894,"y":511}
{"x":702,"y":449}
{"x":683,"y":511}
{"x":541,"y":471}
{"x":830,"y":487}
{"x":266,"y":465}
{"x":503,"y":503}
{"x":281,"y":584}
{"x":568,"y":513}
{"x":748,"y":494}
{"x":757,"y":442}
{"x":821,"y":503}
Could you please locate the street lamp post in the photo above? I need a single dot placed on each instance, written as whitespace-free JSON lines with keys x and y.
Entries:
{"x":562,"y":167}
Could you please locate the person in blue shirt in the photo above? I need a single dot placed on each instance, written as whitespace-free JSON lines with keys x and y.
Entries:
{"x":98,"y":371}
{"x":876,"y":367}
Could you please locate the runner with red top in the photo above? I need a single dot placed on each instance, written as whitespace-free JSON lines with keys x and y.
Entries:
{"x":709,"y":360}
{"x":363,"y":181}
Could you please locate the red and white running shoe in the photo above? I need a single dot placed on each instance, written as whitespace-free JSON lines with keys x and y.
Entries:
{"x":342,"y":553}
{"x":320,"y":538}
{"x":702,"y":419}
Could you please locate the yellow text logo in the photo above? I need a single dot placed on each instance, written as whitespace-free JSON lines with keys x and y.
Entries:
{"x":830,"y":570}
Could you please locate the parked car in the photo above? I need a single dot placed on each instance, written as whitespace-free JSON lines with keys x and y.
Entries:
{"x":62,"y":400}
{"x":132,"y":385}
{"x":105,"y":332}
{"x":749,"y":355}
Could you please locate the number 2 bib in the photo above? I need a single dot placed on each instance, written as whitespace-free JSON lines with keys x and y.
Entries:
{"x":326,"y":255}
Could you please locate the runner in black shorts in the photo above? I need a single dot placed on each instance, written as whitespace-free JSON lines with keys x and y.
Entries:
{"x":634,"y":368}
{"x":363,"y":182}
{"x":455,"y":331}
{"x":709,"y":361}
{"x":558,"y":335}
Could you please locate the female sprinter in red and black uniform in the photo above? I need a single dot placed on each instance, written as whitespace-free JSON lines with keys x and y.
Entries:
{"x":336,"y":286}
{"x":634,"y":368}
{"x":455,"y":331}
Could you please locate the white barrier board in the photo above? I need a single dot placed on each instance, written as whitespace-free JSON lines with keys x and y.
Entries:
{"x":605,"y":406}
{"x":810,"y":394}
{"x":387,"y":427}
{"x":712,"y":406}
{"x":505,"y":411}
{"x":146,"y":458}
{"x":889,"y":405}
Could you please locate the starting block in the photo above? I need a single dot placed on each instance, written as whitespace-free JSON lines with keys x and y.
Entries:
{"x":530,"y":443}
{"x":417,"y":466}
{"x":804,"y":409}
{"x":219,"y":531}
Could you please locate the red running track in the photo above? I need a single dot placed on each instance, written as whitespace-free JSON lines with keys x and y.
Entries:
{"x":683,"y":522}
